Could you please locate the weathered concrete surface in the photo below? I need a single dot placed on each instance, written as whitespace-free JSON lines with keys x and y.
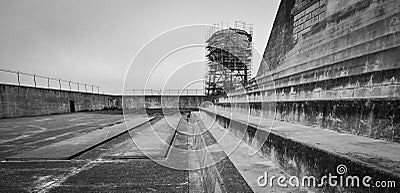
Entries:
{"x":217,"y":172}
{"x":332,"y":63}
{"x":126,"y":176}
{"x":302,"y":150}
{"x":97,"y":171}
{"x":17,"y":101}
{"x":371,"y":118}
{"x":251,"y":167}
{"x":91,"y":172}
{"x":69,"y":148}
{"x":29,"y":176}
{"x":123,"y":175}
{"x":161,"y":101}
{"x":150,"y":142}
{"x":181,"y":145}
{"x":28,"y":133}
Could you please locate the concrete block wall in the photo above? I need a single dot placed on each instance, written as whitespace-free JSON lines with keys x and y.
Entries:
{"x":17,"y":101}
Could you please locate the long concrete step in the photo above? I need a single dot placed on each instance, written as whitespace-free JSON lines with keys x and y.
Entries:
{"x":250,"y":167}
{"x":69,"y":148}
{"x":302,"y":150}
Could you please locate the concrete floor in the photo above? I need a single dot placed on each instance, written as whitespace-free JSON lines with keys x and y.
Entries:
{"x":27,"y":133}
{"x":88,"y":172}
{"x":120,"y":162}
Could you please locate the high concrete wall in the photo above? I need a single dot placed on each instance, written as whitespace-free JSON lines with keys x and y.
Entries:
{"x":19,"y":101}
{"x":166,"y":102}
{"x":332,"y":63}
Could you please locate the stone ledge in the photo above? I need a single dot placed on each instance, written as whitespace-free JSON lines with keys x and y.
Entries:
{"x":302,"y":150}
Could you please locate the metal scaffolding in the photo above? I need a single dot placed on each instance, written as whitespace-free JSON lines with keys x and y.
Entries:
{"x":229,"y":54}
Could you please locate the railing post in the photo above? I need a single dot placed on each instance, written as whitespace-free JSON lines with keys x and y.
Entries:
{"x":69,"y":84}
{"x":77,"y":85}
{"x":19,"y":83}
{"x":59,"y":81}
{"x":92,"y":88}
{"x":48,"y":82}
{"x":34,"y":79}
{"x":85,"y":88}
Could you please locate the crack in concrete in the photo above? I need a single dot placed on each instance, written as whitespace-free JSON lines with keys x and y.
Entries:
{"x":56,"y":181}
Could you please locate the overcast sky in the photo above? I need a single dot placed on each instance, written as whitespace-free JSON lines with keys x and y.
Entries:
{"x":94,"y":41}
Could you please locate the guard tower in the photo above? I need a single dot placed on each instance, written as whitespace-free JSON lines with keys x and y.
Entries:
{"x":229,"y":54}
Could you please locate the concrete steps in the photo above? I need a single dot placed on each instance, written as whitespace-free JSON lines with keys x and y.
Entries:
{"x":303,"y":151}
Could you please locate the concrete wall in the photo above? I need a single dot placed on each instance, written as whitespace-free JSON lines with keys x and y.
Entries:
{"x":19,"y":101}
{"x":371,"y":118}
{"x":332,"y":63}
{"x":166,"y":102}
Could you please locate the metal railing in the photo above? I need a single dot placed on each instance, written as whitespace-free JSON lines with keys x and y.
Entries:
{"x":50,"y":82}
{"x":174,"y":92}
